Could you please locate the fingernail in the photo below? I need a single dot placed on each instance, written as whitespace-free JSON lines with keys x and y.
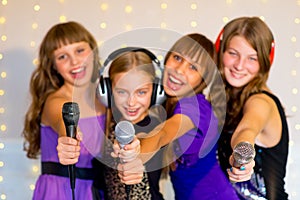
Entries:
{"x":230,"y":169}
{"x":242,"y":168}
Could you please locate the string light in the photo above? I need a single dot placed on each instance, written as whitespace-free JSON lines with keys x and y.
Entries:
{"x":128,"y":27}
{"x":2,"y":92}
{"x":3,"y":75}
{"x":104,"y":6}
{"x":3,"y":196}
{"x":62,"y":18}
{"x":128,"y":9}
{"x":194,"y":6}
{"x":225,"y":20}
{"x":4,"y":2}
{"x":193,"y":24}
{"x":106,"y":25}
{"x":103,"y":25}
{"x":3,"y":127}
{"x":164,"y":6}
{"x":163,"y":25}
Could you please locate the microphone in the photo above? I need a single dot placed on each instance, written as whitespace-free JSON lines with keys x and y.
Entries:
{"x":124,"y":132}
{"x":243,"y":153}
{"x":70,"y":114}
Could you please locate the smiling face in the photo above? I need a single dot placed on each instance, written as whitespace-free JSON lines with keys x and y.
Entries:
{"x":180,"y":76}
{"x":132,"y":92}
{"x":74,"y":62}
{"x":240,"y":62}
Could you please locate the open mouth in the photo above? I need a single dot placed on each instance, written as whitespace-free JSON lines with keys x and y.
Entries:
{"x":78,"y":72}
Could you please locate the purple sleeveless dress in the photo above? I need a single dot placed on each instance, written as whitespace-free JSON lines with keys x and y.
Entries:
{"x":52,"y":186}
{"x":198,"y":174}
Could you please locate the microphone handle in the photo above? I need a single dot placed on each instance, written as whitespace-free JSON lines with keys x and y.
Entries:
{"x":71,"y":132}
{"x":127,"y":187}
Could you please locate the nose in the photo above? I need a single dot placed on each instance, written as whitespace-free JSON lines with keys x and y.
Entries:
{"x":238,"y":65}
{"x":181,"y":67}
{"x":131,"y":100}
{"x":74,"y":59}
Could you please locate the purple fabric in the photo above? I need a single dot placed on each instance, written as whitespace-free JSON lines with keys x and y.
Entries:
{"x":203,"y":139}
{"x":50,"y":187}
{"x":198,"y":174}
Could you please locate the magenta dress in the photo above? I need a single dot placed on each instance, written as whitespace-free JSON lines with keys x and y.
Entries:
{"x":54,"y":182}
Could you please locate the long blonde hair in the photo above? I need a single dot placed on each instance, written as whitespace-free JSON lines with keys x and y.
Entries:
{"x":45,"y":79}
{"x":123,"y":63}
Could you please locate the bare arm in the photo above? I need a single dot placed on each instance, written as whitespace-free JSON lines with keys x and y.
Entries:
{"x":163,"y":134}
{"x":256,"y":114}
{"x":52,"y":114}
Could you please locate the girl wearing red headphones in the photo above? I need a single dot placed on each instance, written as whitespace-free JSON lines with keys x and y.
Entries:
{"x":254,"y":113}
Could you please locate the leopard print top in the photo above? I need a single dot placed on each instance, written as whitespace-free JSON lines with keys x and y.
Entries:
{"x":115,"y":189}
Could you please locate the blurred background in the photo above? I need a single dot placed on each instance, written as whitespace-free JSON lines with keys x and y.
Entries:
{"x":23,"y":24}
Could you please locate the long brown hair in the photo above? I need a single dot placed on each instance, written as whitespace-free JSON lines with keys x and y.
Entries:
{"x":260,"y":37}
{"x":46,"y":80}
{"x":201,"y":50}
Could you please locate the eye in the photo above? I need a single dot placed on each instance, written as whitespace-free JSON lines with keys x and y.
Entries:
{"x":142,"y":92}
{"x":253,"y":58}
{"x":177,"y":57}
{"x":193,"y":67}
{"x":120,"y":92}
{"x":81,"y":50}
{"x":233,"y":53}
{"x":61,"y":57}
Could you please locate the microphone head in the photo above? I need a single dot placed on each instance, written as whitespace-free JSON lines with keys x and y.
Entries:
{"x":243,"y":153}
{"x":124,"y":132}
{"x":70,"y":113}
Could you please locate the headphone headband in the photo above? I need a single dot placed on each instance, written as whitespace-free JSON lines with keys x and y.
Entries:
{"x":104,"y":90}
{"x":118,"y":52}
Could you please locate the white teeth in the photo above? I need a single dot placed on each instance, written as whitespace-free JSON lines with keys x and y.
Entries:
{"x":174,"y":80}
{"x":131,"y":110}
{"x":238,"y":74}
{"x":77,"y":70}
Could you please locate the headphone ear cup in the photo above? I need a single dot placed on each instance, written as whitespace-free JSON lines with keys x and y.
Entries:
{"x":272,"y":52}
{"x":158,"y":93}
{"x":104,"y":91}
{"x":218,"y":41}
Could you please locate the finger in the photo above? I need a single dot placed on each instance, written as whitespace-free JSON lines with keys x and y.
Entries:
{"x":130,"y":178}
{"x":79,"y":136}
{"x":67,"y":147}
{"x":135,"y":166}
{"x":238,"y":177}
{"x":133,"y":145}
{"x":128,"y":156}
{"x":67,"y":140}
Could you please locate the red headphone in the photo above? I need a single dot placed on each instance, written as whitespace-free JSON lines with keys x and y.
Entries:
{"x":218,"y":44}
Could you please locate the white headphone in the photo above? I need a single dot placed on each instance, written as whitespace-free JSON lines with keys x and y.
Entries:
{"x":104,"y":91}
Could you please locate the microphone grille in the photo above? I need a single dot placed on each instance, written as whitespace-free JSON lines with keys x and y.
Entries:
{"x":70,"y":112}
{"x":124,"y":132}
{"x":243,"y":153}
